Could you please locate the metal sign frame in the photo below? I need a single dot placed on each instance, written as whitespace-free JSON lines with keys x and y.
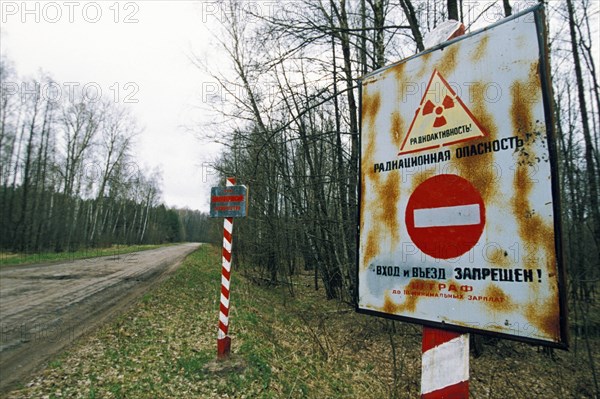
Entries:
{"x":549,"y":328}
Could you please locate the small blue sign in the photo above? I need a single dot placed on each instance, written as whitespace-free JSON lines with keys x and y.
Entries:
{"x":228,"y":202}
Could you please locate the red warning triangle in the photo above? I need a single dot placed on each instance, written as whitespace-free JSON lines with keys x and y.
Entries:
{"x":441,"y":119}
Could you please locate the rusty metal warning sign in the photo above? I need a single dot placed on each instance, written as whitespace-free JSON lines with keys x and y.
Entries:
{"x":459,"y":213}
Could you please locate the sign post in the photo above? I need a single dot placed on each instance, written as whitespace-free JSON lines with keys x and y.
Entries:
{"x":444,"y":364}
{"x":459,"y":210}
{"x":228,"y":202}
{"x":431,"y":210}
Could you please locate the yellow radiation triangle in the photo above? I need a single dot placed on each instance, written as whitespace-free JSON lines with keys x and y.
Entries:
{"x":441,"y":119}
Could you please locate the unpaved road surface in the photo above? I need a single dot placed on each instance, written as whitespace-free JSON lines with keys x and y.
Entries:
{"x":43,"y":308}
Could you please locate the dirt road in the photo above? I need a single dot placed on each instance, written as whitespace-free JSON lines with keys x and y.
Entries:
{"x":43,"y":308}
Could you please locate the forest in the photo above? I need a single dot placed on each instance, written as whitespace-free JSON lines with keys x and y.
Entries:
{"x":69,"y":179}
{"x":291,"y":103}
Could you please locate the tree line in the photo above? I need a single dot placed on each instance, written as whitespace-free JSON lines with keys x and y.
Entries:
{"x":68,"y":177}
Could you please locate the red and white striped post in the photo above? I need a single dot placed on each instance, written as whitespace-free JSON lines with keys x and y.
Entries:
{"x":223,"y":340}
{"x":445,"y":354}
{"x":444,"y":364}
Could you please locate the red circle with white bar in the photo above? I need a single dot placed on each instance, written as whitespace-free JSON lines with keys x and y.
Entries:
{"x":445,"y":216}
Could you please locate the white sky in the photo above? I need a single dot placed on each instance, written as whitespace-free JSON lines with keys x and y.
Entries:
{"x":134,"y":51}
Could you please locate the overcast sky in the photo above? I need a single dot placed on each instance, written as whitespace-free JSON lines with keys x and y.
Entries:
{"x":136,"y":53}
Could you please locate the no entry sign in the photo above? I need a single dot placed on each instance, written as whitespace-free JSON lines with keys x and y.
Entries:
{"x":445,"y":216}
{"x":459,"y":213}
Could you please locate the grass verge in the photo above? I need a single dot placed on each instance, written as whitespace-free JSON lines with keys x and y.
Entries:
{"x":284,"y":346}
{"x":15,"y":259}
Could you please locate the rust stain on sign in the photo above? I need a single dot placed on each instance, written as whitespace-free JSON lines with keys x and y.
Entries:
{"x":410,"y":303}
{"x":371,"y":102}
{"x":543,"y":316}
{"x":536,"y":234}
{"x":397,"y":71}
{"x":398,"y":124}
{"x":481,"y":112}
{"x":370,"y":105}
{"x":371,"y":249}
{"x":385,"y":218}
{"x":389,"y":195}
{"x":398,"y":128}
{"x":481,"y":49}
{"x":524,"y":95}
{"x":479,"y":169}
{"x":499,"y":257}
{"x":425,"y":68}
{"x":447,"y":64}
{"x":500,"y":301}
{"x":370,"y":108}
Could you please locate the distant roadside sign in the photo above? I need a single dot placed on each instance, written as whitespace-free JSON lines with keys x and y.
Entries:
{"x":459,"y":212}
{"x":226,"y":202}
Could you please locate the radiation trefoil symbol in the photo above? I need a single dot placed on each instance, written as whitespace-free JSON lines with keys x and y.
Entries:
{"x":429,"y":107}
{"x":442,"y":119}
